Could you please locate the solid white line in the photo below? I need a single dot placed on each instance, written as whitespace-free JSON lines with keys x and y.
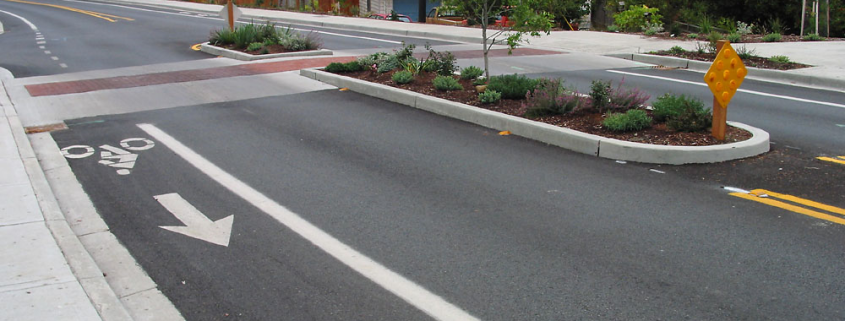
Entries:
{"x":350,"y":36}
{"x":1,"y":27}
{"x":739,"y":90}
{"x":409,"y":291}
{"x":32,"y":26}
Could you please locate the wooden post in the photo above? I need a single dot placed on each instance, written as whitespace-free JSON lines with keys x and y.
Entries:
{"x":229,"y":6}
{"x":720,"y":113}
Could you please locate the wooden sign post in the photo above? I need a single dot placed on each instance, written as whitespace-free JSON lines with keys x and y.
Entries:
{"x":724,"y":77}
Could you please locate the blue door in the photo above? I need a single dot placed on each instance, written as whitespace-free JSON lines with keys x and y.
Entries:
{"x":412,"y":8}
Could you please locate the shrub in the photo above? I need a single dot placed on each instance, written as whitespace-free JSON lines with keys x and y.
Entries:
{"x":479,"y":81}
{"x":443,"y":63}
{"x":403,"y":77}
{"x":222,"y":37}
{"x":336,"y":67}
{"x":635,"y":19}
{"x":676,"y":50}
{"x":600,"y":95}
{"x":551,"y":97}
{"x":693,"y":118}
{"x":772,"y":37}
{"x":245,"y":35}
{"x":692,"y":36}
{"x":813,"y":37}
{"x":651,"y":29}
{"x":406,"y":51}
{"x":632,"y":120}
{"x":705,"y":26}
{"x":713,"y":39}
{"x":743,"y":28}
{"x":391,"y":63}
{"x":489,"y":96}
{"x":622,"y":99}
{"x":512,"y":86}
{"x":298,"y":42}
{"x":255,"y":46}
{"x":446,"y":83}
{"x":613,"y":28}
{"x":780,"y":59}
{"x":675,"y":29}
{"x":471,"y":72}
{"x":353,"y":66}
{"x":669,"y":106}
{"x":735,"y":38}
{"x":744,"y":53}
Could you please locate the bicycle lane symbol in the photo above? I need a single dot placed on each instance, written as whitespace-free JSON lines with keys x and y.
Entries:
{"x":120,"y":158}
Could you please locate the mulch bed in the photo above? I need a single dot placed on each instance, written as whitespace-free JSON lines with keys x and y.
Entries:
{"x":757,"y":62}
{"x":582,"y":121}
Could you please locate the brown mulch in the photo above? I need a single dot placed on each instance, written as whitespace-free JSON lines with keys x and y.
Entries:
{"x":757,"y":62}
{"x":582,"y":121}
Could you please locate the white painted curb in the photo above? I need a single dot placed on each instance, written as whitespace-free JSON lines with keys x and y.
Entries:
{"x":223,"y":52}
{"x":554,"y":135}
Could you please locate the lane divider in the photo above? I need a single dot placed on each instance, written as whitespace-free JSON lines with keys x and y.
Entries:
{"x":104,"y":16}
{"x":770,"y":198}
{"x":838,"y":159}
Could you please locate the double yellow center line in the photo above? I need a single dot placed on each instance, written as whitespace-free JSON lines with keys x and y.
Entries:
{"x":104,"y":16}
{"x":838,"y":160}
{"x":769,"y":198}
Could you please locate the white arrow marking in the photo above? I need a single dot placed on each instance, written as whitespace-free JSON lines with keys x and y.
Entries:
{"x":197,"y":225}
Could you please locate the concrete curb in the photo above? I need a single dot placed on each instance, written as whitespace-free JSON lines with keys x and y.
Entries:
{"x":769,"y":75}
{"x":223,"y":52}
{"x":562,"y":137}
{"x":86,"y":271}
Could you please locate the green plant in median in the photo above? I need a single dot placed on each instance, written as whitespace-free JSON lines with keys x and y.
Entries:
{"x":446,"y":83}
{"x":668,"y":106}
{"x":692,"y":36}
{"x":780,"y":59}
{"x":772,"y":37}
{"x":651,"y":28}
{"x":444,"y":63}
{"x":471,"y":72}
{"x":255,"y":46}
{"x":489,"y":97}
{"x":744,"y":53}
{"x":267,"y":34}
{"x":622,"y":99}
{"x":632,"y":120}
{"x":512,"y":86}
{"x":676,"y":50}
{"x":600,"y":95}
{"x":551,"y":97}
{"x":403,"y":77}
{"x":713,"y":39}
{"x":691,"y":119}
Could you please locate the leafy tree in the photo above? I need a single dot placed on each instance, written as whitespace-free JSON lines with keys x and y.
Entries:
{"x":565,"y":10}
{"x":527,"y":17}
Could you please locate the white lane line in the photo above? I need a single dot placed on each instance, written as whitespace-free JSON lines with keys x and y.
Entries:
{"x":416,"y":295}
{"x":54,"y":58}
{"x":32,"y":26}
{"x":41,"y":42}
{"x":63,"y":65}
{"x":739,"y":90}
{"x":42,"y":47}
{"x":350,"y":36}
{"x":48,"y":52}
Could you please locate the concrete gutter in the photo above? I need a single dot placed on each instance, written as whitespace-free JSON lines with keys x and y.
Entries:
{"x":769,"y":75}
{"x":223,"y":52}
{"x":554,"y":135}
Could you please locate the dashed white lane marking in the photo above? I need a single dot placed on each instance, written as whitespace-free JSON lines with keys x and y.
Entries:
{"x":738,"y":90}
{"x":41,"y":42}
{"x":48,"y":52}
{"x":63,"y":65}
{"x":54,"y":58}
{"x":41,"y":47}
{"x":414,"y":294}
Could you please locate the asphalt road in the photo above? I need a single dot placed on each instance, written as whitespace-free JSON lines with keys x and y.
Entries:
{"x":83,"y":42}
{"x":502,"y":227}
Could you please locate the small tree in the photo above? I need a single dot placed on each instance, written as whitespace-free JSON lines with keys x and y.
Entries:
{"x":527,"y":20}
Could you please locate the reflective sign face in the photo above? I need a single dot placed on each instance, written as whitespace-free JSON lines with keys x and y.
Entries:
{"x":725,"y":75}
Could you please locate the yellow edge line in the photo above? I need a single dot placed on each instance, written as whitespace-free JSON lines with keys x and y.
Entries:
{"x":801,"y":201}
{"x":789,"y":207}
{"x":834,"y":160}
{"x":86,"y":12}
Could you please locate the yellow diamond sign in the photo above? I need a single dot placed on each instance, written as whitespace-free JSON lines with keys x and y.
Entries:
{"x":725,"y":75}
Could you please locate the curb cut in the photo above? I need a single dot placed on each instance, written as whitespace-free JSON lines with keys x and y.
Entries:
{"x":223,"y":52}
{"x":753,"y":73}
{"x":558,"y":136}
